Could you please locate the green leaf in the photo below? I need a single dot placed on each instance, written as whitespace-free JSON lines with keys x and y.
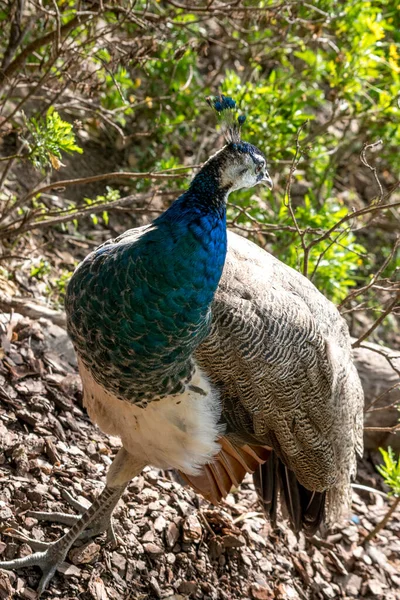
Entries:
{"x":390,"y":470}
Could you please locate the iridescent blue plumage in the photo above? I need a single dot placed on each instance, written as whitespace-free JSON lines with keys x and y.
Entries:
{"x":139,"y":306}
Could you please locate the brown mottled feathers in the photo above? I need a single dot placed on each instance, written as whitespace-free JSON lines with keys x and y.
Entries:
{"x":279,"y":354}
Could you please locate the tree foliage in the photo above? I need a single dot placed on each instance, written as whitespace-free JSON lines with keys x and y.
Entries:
{"x":320,"y":84}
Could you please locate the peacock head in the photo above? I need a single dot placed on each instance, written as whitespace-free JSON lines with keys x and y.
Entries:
{"x":239,"y":165}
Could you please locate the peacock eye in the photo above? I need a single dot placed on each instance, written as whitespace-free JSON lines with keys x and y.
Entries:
{"x":258,"y":168}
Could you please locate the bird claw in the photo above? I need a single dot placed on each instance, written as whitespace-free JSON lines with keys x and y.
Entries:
{"x":48,"y":561}
{"x":18,"y":535}
{"x":98,"y":528}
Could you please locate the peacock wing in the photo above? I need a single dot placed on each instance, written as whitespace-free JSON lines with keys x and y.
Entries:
{"x":279,"y":352}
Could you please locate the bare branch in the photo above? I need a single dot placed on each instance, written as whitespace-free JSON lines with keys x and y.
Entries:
{"x":378,"y":321}
{"x":9,"y":71}
{"x":365,"y":162}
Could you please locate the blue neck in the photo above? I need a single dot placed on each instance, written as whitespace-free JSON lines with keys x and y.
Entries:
{"x":138,"y":311}
{"x":204,"y":197}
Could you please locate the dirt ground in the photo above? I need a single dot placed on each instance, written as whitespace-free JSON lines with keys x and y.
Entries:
{"x":171,"y":543}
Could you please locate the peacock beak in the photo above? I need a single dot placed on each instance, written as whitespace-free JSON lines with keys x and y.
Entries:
{"x":266,"y":179}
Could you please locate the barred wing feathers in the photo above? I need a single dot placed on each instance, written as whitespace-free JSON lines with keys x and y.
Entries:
{"x":280,"y":355}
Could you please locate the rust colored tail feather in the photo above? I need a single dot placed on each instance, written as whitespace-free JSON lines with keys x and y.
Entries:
{"x":228,"y":469}
{"x":305,"y":509}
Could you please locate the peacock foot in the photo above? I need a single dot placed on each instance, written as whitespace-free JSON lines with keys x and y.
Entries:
{"x":51,"y":556}
{"x":48,"y":561}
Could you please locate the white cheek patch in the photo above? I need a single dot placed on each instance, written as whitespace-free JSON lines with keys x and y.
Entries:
{"x":229,"y":175}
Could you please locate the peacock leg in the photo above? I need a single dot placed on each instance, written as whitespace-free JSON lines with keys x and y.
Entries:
{"x":98,"y":526}
{"x":121,"y":471}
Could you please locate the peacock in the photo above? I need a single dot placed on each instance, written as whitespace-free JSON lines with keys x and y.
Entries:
{"x":207,"y":355}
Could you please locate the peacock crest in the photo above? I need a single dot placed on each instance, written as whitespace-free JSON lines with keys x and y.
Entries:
{"x":230,"y":122}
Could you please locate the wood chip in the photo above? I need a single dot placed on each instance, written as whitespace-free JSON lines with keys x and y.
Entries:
{"x":84,"y":554}
{"x":97,"y":589}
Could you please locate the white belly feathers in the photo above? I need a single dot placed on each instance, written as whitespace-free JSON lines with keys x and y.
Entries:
{"x":179,"y":432}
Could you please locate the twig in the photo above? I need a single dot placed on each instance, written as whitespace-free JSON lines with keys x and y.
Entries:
{"x":386,"y":429}
{"x":30,"y":309}
{"x":383,"y":352}
{"x":375,"y":277}
{"x":384,"y":393}
{"x":378,"y":321}
{"x":382,"y":523}
{"x":16,"y":33}
{"x":365,"y":162}
{"x":371,"y":490}
{"x":38,"y":43}
{"x":117,"y":175}
{"x":65,"y":217}
{"x":288,"y":199}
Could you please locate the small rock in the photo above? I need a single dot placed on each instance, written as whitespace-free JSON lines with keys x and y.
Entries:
{"x":184,"y":507}
{"x":265,"y":565}
{"x":154,"y":549}
{"x":233,"y":541}
{"x":171,"y":535}
{"x":160,"y":524}
{"x":102,"y":448}
{"x":328,"y":592}
{"x":201,"y":566}
{"x":285,"y":592}
{"x":84,"y":554}
{"x":156,"y":505}
{"x":141,"y":565}
{"x":69,"y":570}
{"x":51,"y":452}
{"x":28,"y":594}
{"x":376,"y":587}
{"x":97,"y":589}
{"x":171,"y":558}
{"x":35,"y":496}
{"x":6,"y":591}
{"x":11,"y":550}
{"x":188,"y":587}
{"x":358,"y":552}
{"x":353,"y":585}
{"x":25,"y":550}
{"x":30,"y":522}
{"x":5,"y":512}
{"x":260,"y":592}
{"x":259,"y":540}
{"x":192,"y":531}
{"x":118,"y":561}
{"x":147,"y":495}
{"x":148,"y":536}
{"x":155,"y":587}
{"x":246,"y":560}
{"x":91,"y":449}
